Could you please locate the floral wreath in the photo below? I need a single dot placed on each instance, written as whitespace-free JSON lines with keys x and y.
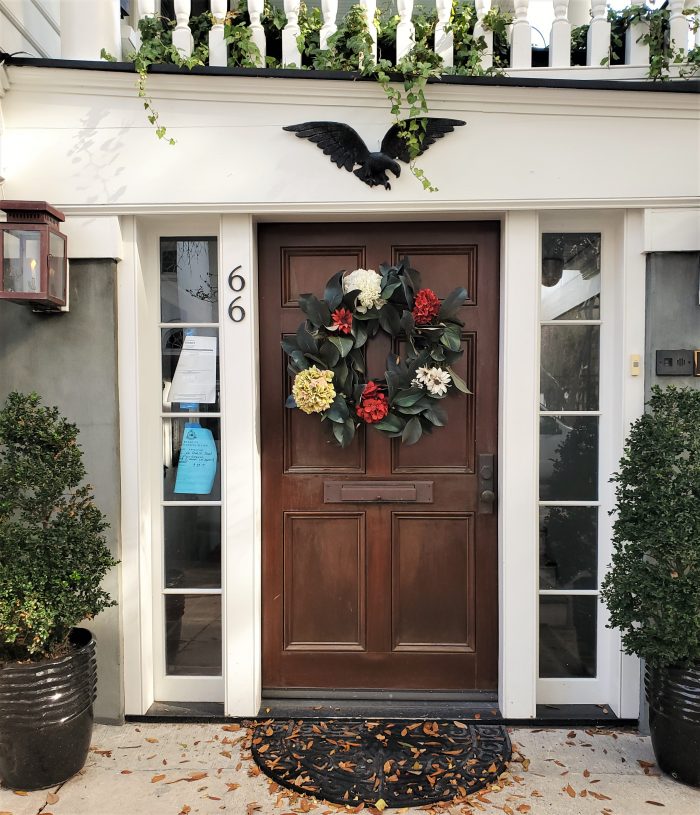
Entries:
{"x":328,"y":363}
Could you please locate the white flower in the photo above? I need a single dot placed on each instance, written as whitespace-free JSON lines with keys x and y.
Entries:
{"x":369,"y":285}
{"x":435,"y":380}
{"x":416,"y":383}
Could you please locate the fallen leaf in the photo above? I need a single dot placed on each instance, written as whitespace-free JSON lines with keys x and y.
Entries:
{"x":232,"y":787}
{"x":252,"y":807}
{"x":645,"y":764}
{"x":52,"y":798}
{"x":586,"y":773}
{"x":185,"y":810}
{"x":152,"y":741}
{"x":232,"y":728}
{"x":655,"y":803}
{"x":20,"y":792}
{"x":570,"y":791}
{"x":126,"y":772}
{"x":157,"y":778}
{"x":524,"y":808}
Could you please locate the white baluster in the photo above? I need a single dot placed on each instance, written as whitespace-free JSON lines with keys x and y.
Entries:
{"x":182,"y":36}
{"x":217,"y":47}
{"x":579,"y":12}
{"x":290,"y":50}
{"x":679,"y":26}
{"x":146,"y":8}
{"x":560,"y":37}
{"x":330,"y":12}
{"x":255,"y":9}
{"x":637,"y":52}
{"x":100,"y":18}
{"x":370,"y":7}
{"x":405,"y":30}
{"x":520,"y":43}
{"x":598,"y":45}
{"x":444,"y":40}
{"x":482,"y":9}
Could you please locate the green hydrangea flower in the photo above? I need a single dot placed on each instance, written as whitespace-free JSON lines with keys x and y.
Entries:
{"x":313,"y":390}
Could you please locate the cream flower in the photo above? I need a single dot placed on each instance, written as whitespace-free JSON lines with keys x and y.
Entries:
{"x":435,"y":380}
{"x":313,"y":390}
{"x":369,"y":285}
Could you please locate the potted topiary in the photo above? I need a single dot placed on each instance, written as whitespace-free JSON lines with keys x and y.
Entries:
{"x":653,"y":588}
{"x":53,"y":558}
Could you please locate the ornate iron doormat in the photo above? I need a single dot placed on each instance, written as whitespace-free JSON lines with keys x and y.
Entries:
{"x":401,"y":763}
{"x":345,"y":148}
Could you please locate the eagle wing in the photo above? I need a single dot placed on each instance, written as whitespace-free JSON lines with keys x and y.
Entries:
{"x":338,"y":141}
{"x":432,"y":129}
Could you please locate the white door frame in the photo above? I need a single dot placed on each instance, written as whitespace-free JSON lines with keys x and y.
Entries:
{"x":518,"y":453}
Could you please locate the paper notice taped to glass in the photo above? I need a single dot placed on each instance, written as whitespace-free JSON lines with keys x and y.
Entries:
{"x":196,"y":470}
{"x":194,"y":379}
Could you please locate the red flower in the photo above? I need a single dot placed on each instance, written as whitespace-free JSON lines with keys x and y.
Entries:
{"x":425,"y":307}
{"x":374,"y":405}
{"x":342,"y":320}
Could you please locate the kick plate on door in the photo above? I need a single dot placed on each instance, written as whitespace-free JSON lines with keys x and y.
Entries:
{"x":378,"y":492}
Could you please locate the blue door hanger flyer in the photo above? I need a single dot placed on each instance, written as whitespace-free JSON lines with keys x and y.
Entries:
{"x":196,"y":469}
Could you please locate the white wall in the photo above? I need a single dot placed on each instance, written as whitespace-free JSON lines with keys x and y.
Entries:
{"x":81,"y":140}
{"x":31,"y":27}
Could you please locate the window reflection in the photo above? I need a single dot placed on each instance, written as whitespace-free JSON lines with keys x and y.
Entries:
{"x":568,"y":547}
{"x":568,"y":458}
{"x":192,"y":547}
{"x":568,"y":636}
{"x":569,"y":367}
{"x":570,"y":280}
{"x":193,"y":634}
{"x":189,"y":280}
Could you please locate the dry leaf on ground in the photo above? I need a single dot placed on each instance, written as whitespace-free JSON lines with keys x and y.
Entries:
{"x":52,"y":798}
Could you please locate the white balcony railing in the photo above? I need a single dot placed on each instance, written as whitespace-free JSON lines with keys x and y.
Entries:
{"x":121,"y":35}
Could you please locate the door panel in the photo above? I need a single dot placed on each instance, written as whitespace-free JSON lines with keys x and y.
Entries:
{"x":364,"y":595}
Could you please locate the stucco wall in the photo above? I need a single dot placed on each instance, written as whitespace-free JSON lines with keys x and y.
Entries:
{"x":71,"y":361}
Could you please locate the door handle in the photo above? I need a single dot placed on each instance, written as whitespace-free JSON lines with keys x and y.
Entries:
{"x":487,"y":484}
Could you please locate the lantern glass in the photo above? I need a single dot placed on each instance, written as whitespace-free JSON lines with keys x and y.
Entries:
{"x":57,"y":266}
{"x":21,"y":260}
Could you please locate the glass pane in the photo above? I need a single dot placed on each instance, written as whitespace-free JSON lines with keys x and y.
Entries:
{"x":569,"y":367}
{"x":57,"y":266}
{"x":570,"y":287}
{"x":193,"y":634}
{"x":191,"y":453}
{"x":568,"y":458}
{"x":192,"y":547}
{"x":189,"y":280}
{"x":568,"y":547}
{"x":568,"y":636}
{"x":21,"y":260}
{"x":197,"y":379}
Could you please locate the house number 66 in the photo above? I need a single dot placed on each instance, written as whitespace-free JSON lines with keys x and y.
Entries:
{"x":236,"y":283}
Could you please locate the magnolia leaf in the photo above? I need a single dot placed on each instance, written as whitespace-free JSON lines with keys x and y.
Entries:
{"x":316,"y":310}
{"x":329,"y":353}
{"x":333,"y":295}
{"x":452,"y":303}
{"x":451,"y":338}
{"x":343,"y":344}
{"x":409,"y":397}
{"x":305,"y":341}
{"x":412,"y":432}
{"x":408,"y":323}
{"x":390,"y":424}
{"x":359,"y":332}
{"x":300,"y":361}
{"x":459,"y":383}
{"x":289,"y":344}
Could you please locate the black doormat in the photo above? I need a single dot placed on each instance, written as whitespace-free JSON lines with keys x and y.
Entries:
{"x":403,"y":763}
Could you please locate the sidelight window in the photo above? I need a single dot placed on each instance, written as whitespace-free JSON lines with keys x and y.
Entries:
{"x":569,"y":431}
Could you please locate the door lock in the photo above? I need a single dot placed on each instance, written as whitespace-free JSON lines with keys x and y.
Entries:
{"x":487,"y":494}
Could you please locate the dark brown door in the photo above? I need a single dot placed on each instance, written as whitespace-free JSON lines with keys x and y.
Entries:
{"x":385,"y":595}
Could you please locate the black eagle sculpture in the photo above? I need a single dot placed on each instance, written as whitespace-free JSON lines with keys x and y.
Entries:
{"x":344,"y":146}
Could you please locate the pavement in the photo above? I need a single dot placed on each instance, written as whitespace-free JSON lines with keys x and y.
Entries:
{"x":206,"y":769}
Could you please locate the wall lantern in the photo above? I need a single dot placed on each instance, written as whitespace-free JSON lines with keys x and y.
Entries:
{"x":33,"y":252}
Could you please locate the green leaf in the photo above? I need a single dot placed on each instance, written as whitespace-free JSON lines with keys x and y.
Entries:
{"x":338,"y":411}
{"x":329,"y":353}
{"x":389,"y":320}
{"x":390,"y":424}
{"x":437,"y":415}
{"x":459,"y":383}
{"x":452,"y":303}
{"x":343,"y":344}
{"x":408,"y":397}
{"x":451,"y":337}
{"x":317,"y":311}
{"x":299,"y":360}
{"x":412,"y":432}
{"x":305,"y":341}
{"x":291,"y":402}
{"x":359,"y":332}
{"x":333,"y":294}
{"x":344,"y":433}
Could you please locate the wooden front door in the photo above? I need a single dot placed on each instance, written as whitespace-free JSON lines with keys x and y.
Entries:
{"x":379,"y":595}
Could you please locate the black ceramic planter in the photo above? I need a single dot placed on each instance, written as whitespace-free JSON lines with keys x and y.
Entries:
{"x":674,"y":720}
{"x":46,"y":716}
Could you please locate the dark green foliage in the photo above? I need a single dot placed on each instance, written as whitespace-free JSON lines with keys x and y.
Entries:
{"x":53,"y":555}
{"x":653,"y":589}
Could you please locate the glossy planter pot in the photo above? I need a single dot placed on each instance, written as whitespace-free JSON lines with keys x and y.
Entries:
{"x":46,"y":716}
{"x":674,"y":720}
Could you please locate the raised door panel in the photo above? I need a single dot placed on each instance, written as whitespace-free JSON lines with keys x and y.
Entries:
{"x":432,"y":578}
{"x":443,"y":267}
{"x":324,"y":581}
{"x":306,"y":269}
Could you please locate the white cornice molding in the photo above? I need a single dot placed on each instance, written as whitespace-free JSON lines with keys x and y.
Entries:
{"x":331,"y":208}
{"x":280,"y":91}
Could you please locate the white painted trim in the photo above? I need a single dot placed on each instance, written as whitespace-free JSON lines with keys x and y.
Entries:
{"x":632,"y":296}
{"x":135,"y":600}
{"x":672,"y":230}
{"x":518,"y":460}
{"x":93,"y":237}
{"x":240,"y":394}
